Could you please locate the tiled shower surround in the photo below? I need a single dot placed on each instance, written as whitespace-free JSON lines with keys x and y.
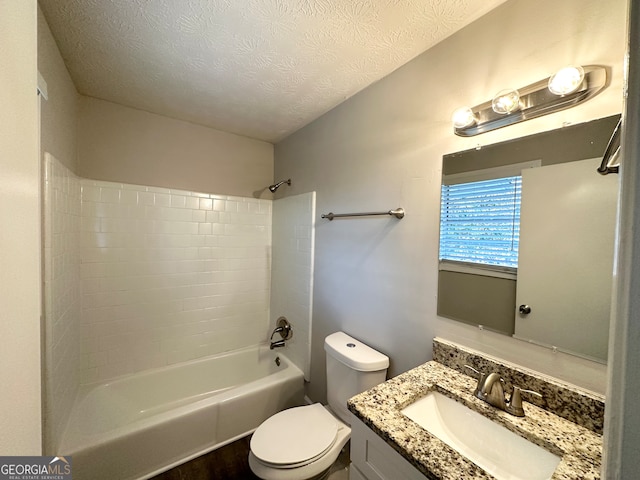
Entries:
{"x":292,"y":272}
{"x":169,"y":276}
{"x":141,"y":277}
{"x":62,"y":293}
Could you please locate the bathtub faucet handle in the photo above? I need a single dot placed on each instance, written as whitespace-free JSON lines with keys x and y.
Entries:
{"x":285,"y":331}
{"x":278,"y":329}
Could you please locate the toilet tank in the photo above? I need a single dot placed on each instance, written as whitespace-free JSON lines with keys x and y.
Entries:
{"x":352,"y":367}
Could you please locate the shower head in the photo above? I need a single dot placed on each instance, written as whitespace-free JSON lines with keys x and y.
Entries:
{"x":276,"y":186}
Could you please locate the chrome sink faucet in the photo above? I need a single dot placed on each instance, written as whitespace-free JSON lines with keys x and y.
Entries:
{"x":490,"y":389}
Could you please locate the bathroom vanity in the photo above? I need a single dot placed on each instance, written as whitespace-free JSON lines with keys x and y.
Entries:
{"x":565,"y":424}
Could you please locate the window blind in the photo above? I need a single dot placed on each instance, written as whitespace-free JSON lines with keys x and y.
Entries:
{"x":480,"y":222}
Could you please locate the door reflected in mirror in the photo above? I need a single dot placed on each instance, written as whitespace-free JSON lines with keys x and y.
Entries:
{"x":557,"y":218}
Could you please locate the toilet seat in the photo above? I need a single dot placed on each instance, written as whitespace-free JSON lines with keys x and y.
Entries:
{"x":284,"y":441}
{"x":313,"y":469}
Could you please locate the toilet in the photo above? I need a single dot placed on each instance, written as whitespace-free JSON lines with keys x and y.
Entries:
{"x":302,"y":443}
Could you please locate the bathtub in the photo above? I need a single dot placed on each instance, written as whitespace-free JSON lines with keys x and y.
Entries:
{"x":143,"y":424}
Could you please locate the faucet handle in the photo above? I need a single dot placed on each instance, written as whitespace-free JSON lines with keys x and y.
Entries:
{"x":481,"y":378}
{"x":514,"y":405}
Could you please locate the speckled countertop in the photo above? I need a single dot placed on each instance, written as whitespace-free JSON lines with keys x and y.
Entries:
{"x":580,"y":449}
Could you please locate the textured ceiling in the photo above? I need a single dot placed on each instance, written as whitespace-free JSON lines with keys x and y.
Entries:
{"x":260,"y":68}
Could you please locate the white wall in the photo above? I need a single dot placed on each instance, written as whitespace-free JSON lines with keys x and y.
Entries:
{"x":20,"y":402}
{"x":376,"y":279}
{"x":292,"y":273}
{"x":59,"y":112}
{"x":169,"y":276}
{"x":122,"y":144}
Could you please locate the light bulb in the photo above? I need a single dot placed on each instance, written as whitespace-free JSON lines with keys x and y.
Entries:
{"x":506,"y":101}
{"x":463,"y":117}
{"x":566,"y":80}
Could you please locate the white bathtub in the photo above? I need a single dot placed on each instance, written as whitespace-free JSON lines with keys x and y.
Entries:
{"x":143,"y":424}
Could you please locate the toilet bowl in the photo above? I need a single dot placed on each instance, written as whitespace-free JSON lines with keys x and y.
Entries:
{"x":298,"y":443}
{"x":302,"y":443}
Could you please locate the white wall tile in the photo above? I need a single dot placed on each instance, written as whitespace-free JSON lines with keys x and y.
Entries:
{"x":192,"y":202}
{"x":198,"y":215}
{"x":91,"y":193}
{"x":110,"y":195}
{"x":292,"y":272}
{"x":152,"y":189}
{"x":153,"y":268}
{"x":178,"y":201}
{"x":128,"y":197}
{"x":206,"y":204}
{"x":141,"y":277}
{"x":62,"y":289}
{"x":162,"y":200}
{"x":218,"y":205}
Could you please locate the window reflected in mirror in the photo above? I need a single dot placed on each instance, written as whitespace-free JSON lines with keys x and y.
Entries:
{"x":515,"y":220}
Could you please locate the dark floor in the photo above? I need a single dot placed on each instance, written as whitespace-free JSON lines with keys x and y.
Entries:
{"x":231,"y":462}
{"x":226,"y":463}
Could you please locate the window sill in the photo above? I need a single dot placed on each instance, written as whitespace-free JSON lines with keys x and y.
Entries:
{"x":478,"y":269}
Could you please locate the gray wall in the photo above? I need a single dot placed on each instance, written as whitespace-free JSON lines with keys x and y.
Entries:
{"x":122,"y":144}
{"x":478,"y":300}
{"x":376,"y":278}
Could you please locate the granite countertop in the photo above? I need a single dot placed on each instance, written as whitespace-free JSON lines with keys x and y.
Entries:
{"x":580,"y":449}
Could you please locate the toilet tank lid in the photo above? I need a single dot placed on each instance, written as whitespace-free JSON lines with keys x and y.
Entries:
{"x":354,"y":354}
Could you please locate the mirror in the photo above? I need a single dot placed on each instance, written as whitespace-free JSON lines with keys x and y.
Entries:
{"x":559,"y":293}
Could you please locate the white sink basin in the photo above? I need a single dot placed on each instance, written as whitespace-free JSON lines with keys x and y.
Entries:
{"x":498,"y":451}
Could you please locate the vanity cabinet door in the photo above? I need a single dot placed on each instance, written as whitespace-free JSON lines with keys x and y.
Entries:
{"x":374,"y":459}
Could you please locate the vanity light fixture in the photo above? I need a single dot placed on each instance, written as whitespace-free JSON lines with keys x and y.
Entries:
{"x":566,"y":80}
{"x":566,"y":88}
{"x":463,"y":117}
{"x":506,"y":101}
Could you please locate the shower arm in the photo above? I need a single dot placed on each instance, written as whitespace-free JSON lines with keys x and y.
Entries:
{"x":276,"y":186}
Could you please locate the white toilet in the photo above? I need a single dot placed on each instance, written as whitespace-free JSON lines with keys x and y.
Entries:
{"x":302,"y":443}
